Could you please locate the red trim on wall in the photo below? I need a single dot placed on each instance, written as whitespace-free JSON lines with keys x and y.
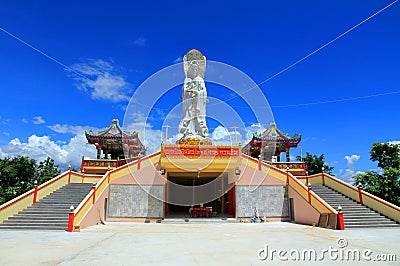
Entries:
{"x":30,"y":192}
{"x":364,"y":194}
{"x":380,"y":201}
{"x":15,"y":200}
{"x":325,"y":204}
{"x":342,"y":183}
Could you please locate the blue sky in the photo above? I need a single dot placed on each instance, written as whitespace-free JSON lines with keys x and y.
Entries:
{"x":45,"y":106}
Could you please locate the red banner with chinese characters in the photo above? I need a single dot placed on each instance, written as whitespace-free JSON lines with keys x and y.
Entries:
{"x":199,"y":151}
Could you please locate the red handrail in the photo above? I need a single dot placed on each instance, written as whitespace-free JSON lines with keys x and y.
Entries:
{"x":30,"y":192}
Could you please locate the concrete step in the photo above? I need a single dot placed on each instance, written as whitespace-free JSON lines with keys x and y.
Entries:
{"x":355,"y":214}
{"x":51,"y":212}
{"x":41,"y":228}
{"x":369,"y":222}
{"x":372,"y":225}
{"x":38,"y":218}
{"x":35,"y":222}
{"x":44,"y":216}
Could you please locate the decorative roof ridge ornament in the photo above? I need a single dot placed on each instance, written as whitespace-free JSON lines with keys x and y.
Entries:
{"x":113,"y":129}
{"x":273,"y":130}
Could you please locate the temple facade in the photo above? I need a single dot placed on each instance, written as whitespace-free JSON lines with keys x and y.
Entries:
{"x":195,"y":178}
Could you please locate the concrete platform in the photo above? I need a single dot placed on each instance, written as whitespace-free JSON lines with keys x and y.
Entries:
{"x":119,"y":243}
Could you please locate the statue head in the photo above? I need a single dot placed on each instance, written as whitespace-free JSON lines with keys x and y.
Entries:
{"x":194,"y":64}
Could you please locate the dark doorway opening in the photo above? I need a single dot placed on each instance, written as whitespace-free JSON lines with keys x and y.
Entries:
{"x":187,"y":190}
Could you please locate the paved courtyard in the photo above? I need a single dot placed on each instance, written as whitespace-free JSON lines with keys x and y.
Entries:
{"x":199,"y":244}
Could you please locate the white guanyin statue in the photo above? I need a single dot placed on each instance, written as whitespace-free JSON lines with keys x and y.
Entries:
{"x":194,"y":97}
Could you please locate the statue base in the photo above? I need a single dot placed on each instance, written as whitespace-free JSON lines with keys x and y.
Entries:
{"x":194,"y":142}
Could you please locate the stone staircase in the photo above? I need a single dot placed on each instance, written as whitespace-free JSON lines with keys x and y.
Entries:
{"x":51,"y":212}
{"x":355,"y":214}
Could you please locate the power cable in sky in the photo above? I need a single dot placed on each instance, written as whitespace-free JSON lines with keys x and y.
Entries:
{"x":43,"y":53}
{"x":315,"y":51}
{"x":251,"y":88}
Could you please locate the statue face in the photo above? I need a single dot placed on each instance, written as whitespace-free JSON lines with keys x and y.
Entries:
{"x":194,"y":69}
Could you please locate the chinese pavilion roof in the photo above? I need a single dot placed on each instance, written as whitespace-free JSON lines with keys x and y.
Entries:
{"x":272,"y":137}
{"x":273,"y":134}
{"x":114,"y":137}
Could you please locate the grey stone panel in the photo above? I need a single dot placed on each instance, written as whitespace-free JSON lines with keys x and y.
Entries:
{"x":271,"y":201}
{"x":136,"y":201}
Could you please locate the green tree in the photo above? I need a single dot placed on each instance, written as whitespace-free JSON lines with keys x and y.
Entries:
{"x":46,"y":170}
{"x":314,"y":164}
{"x":16,"y":176}
{"x":18,"y":173}
{"x":385,"y":185}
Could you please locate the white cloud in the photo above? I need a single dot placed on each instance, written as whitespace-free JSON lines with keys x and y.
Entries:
{"x":37,"y":120}
{"x":4,"y":121}
{"x":348,"y":174}
{"x":219,"y":133}
{"x":140,"y":41}
{"x":222,"y":136}
{"x":100,"y":80}
{"x":6,"y":134}
{"x":76,"y":130}
{"x":40,"y":147}
{"x":395,"y":142}
{"x":24,"y":120}
{"x":351,"y":159}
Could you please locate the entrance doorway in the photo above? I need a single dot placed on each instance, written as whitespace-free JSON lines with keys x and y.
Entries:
{"x":192,"y":190}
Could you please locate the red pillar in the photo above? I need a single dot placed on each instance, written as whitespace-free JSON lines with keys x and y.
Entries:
{"x":234,"y":200}
{"x":259,"y":164}
{"x":287,"y":175}
{"x":306,"y":178}
{"x":138,"y":163}
{"x":309,"y":193}
{"x":71,"y":217}
{"x":360,"y":197}
{"x":35,"y":190}
{"x":94,"y":192}
{"x":340,"y":219}
{"x":82,"y":163}
{"x":69,"y":174}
